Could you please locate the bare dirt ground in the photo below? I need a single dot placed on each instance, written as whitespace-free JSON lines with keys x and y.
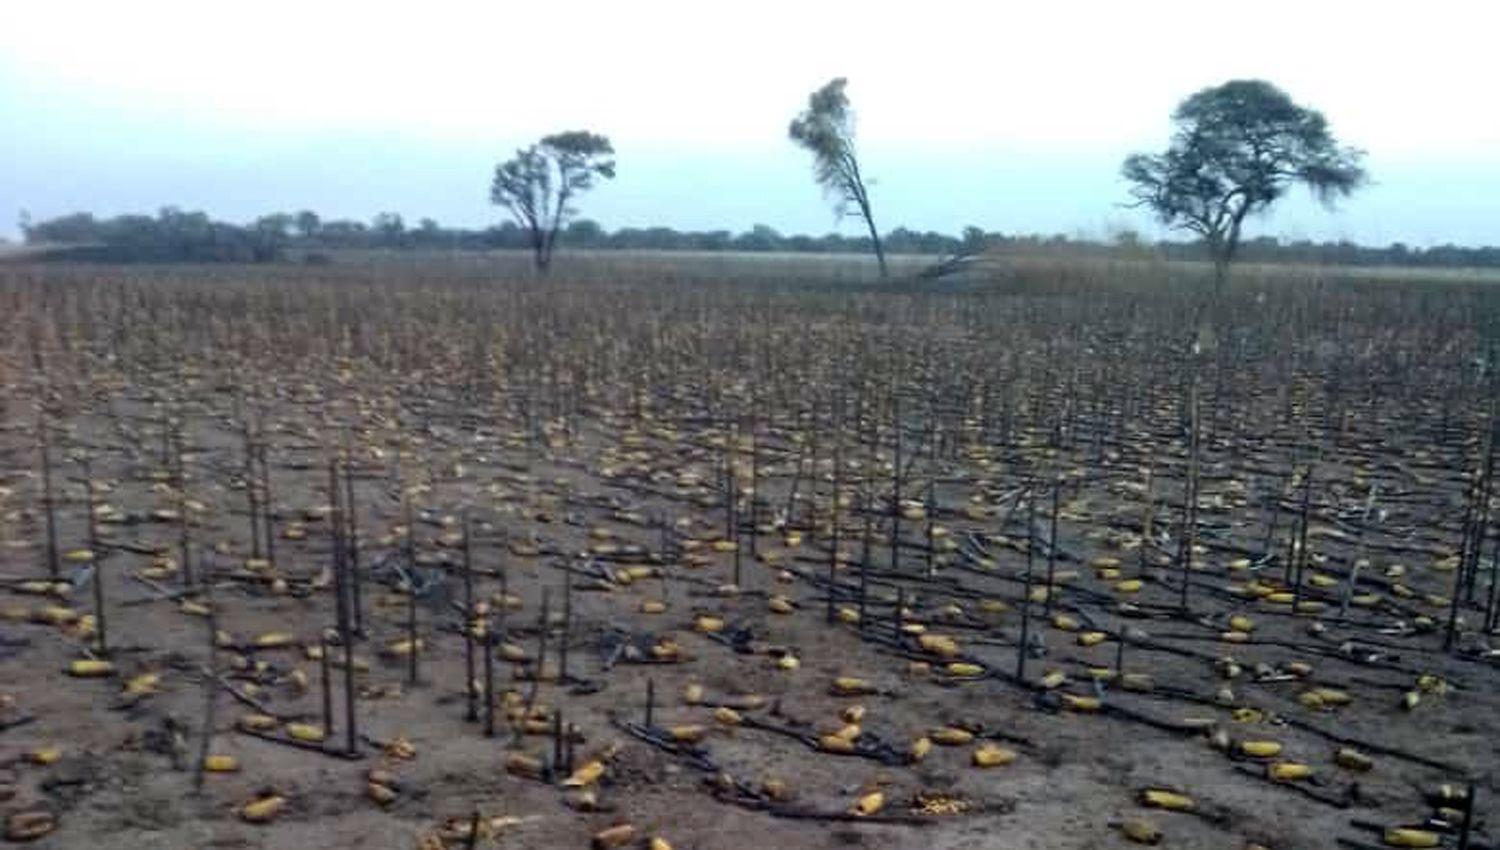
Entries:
{"x":613,"y":519}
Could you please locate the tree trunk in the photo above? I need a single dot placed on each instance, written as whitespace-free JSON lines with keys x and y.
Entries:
{"x":864,"y":209}
{"x":1220,"y":251}
{"x":1224,"y":248}
{"x":549,"y":242}
{"x":539,"y":253}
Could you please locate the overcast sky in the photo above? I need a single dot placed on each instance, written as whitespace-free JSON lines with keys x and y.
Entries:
{"x":1010,"y":116}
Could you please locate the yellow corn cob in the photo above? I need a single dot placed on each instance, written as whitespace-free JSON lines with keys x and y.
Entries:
{"x":964,"y":669}
{"x":941,"y":645}
{"x":852,"y":686}
{"x":142,"y":684}
{"x":1352,"y":759}
{"x":297,"y":679}
{"x":404,"y":647}
{"x":305,"y":732}
{"x":401,"y":749}
{"x":90,"y":668}
{"x":258,"y":722}
{"x":869,"y":804}
{"x":1074,"y":702}
{"x":1091,"y":638}
{"x":54,"y":615}
{"x":836,"y":744}
{"x":1405,"y":837}
{"x":273,"y":640}
{"x":1140,"y":831}
{"x":951,"y":736}
{"x":919,"y":748}
{"x":1333,"y":696}
{"x":991,"y":755}
{"x":262,"y":810}
{"x":1260,"y":749}
{"x":1161,"y":798}
{"x":1288,"y":771}
{"x":587,"y":774}
{"x":221,"y":764}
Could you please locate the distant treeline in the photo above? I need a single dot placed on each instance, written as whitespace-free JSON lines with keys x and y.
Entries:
{"x":177,"y":236}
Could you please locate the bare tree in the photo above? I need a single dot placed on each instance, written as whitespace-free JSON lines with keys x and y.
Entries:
{"x":826,"y":129}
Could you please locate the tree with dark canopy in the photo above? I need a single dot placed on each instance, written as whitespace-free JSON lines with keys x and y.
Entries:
{"x":826,"y":130}
{"x":539,"y":184}
{"x":307,"y":223}
{"x":1237,"y":148}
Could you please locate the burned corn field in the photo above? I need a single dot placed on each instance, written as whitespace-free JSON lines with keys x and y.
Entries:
{"x":690,"y":554}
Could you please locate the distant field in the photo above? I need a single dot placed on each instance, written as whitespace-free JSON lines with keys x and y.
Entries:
{"x":1029,"y":271}
{"x":1123,"y":270}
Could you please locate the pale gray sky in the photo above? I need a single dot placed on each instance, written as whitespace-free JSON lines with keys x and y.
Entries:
{"x":1011,"y":117}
